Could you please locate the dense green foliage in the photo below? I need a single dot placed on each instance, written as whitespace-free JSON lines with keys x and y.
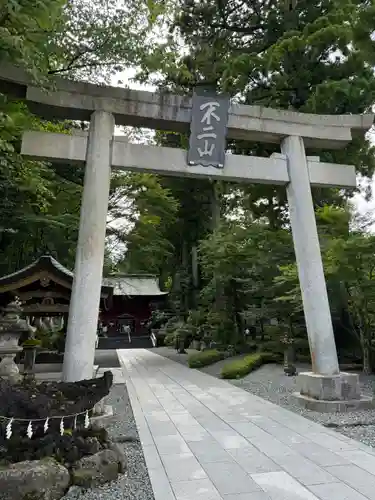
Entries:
{"x":204,"y":358}
{"x":242,"y":367}
{"x":40,"y":205}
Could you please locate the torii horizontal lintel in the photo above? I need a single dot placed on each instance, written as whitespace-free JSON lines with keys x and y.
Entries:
{"x":60,"y":148}
{"x":73,"y":100}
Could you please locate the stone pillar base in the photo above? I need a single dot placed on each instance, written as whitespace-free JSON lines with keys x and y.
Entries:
{"x":331,"y":394}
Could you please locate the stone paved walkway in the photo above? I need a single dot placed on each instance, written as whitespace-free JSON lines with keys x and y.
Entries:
{"x":205,"y":439}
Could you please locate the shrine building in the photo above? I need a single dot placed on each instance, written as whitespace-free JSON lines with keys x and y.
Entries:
{"x":44,"y":289}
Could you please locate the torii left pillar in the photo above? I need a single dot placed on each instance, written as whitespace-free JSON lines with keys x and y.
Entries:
{"x":84,"y":304}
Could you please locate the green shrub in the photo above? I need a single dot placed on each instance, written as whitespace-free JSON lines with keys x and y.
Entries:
{"x":170,"y":331}
{"x":170,"y":339}
{"x":204,"y":358}
{"x":240,"y":368}
{"x":272,"y":346}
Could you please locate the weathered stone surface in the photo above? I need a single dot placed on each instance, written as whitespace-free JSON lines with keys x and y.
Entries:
{"x":78,"y":100}
{"x":339,"y":406}
{"x":93,"y":445}
{"x":34,"y":480}
{"x":331,"y":394}
{"x":52,"y":398}
{"x":120,"y":456}
{"x":97,"y":469}
{"x":172,"y":161}
{"x":74,"y":492}
{"x":341,"y":387}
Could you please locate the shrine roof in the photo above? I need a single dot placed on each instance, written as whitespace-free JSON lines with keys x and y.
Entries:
{"x":134,"y":285}
{"x":45,"y":266}
{"x":48,"y":267}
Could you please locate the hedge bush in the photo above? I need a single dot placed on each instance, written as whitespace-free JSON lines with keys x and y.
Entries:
{"x":204,"y":358}
{"x":241,"y":367}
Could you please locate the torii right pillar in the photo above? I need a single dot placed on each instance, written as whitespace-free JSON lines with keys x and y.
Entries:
{"x":323,"y":389}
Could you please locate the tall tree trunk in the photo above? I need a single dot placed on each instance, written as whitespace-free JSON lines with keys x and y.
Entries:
{"x":220,"y":299}
{"x":195,"y":275}
{"x":215,"y":205}
{"x":366,"y":361}
{"x":367,"y":368}
{"x":186,"y":269}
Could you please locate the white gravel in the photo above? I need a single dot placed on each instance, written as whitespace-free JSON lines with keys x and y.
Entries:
{"x":135,"y":484}
{"x":270,"y":382}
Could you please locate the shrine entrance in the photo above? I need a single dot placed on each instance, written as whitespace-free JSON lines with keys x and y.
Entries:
{"x":210,"y":118}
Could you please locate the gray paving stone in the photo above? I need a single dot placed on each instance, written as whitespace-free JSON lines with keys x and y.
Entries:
{"x":230,"y":440}
{"x":250,"y":430}
{"x":330,"y":442}
{"x":161,"y":485}
{"x":360,"y":458}
{"x":234,"y":417}
{"x":272,"y":447}
{"x":209,"y":450}
{"x":319,"y":455}
{"x":281,"y":486}
{"x":152,"y":457}
{"x":213,"y":424}
{"x":229,"y":478}
{"x":145,"y":435}
{"x":256,"y":495}
{"x":202,"y":489}
{"x":336,"y":491}
{"x":305,"y":471}
{"x":253,"y":461}
{"x":163,"y":429}
{"x":191,"y":434}
{"x":282,"y":433}
{"x":357,"y":478}
{"x":183,"y":419}
{"x":183,"y":467}
{"x":171,"y":445}
{"x":248,"y":448}
{"x":156,"y":416}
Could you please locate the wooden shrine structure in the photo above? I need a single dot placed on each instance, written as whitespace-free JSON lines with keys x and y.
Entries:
{"x":45,"y":286}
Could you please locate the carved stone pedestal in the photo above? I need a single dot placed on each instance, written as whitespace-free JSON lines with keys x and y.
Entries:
{"x":331,"y":394}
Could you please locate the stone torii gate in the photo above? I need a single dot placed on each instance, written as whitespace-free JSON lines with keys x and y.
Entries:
{"x":325,"y":388}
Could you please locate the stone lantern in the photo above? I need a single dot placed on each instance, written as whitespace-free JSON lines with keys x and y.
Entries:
{"x":11,"y":329}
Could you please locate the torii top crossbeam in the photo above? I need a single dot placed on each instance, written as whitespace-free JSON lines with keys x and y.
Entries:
{"x":77,"y":101}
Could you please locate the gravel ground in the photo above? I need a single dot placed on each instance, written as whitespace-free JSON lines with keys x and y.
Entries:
{"x":135,"y":484}
{"x":270,"y":382}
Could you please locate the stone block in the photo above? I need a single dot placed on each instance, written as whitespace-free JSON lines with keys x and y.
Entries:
{"x":43,"y":479}
{"x":98,"y":469}
{"x":364,"y":403}
{"x":341,"y":387}
{"x":331,"y":394}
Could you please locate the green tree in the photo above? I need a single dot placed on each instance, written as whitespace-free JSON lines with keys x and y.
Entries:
{"x":351,"y":263}
{"x":244,"y":261}
{"x":296,"y":55}
{"x":152,"y":212}
{"x":87,"y":40}
{"x":25,"y":31}
{"x":314,"y":58}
